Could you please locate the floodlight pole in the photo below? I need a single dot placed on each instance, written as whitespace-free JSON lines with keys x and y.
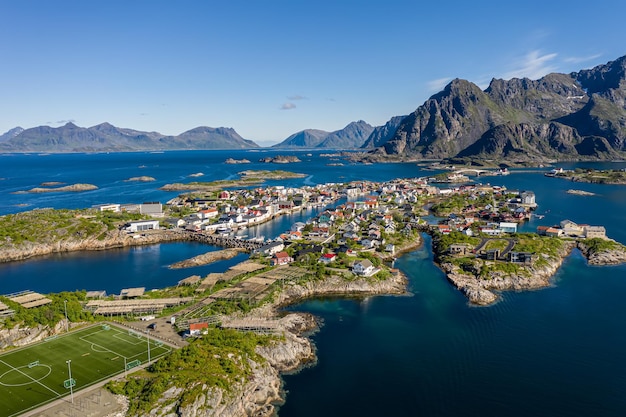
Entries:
{"x":125,"y":368}
{"x":148,"y":340}
{"x":69,"y":371}
{"x":67,"y":323}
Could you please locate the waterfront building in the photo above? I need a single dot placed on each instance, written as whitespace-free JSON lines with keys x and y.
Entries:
{"x":364,"y":268}
{"x":142,"y":225}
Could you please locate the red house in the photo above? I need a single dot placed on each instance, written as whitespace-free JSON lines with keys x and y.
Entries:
{"x":281,"y":258}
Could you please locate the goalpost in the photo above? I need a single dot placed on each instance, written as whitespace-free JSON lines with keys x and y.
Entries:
{"x":33,"y":364}
{"x":135,"y":334}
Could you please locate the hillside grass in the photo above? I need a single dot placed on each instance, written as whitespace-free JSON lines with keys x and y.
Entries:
{"x":219,"y":359}
{"x":50,"y":225}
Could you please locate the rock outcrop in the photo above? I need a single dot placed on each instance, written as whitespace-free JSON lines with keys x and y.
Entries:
{"x":22,"y":336}
{"x":615,"y":256}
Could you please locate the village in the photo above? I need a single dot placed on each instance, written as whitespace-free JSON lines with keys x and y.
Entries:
{"x":359,"y":230}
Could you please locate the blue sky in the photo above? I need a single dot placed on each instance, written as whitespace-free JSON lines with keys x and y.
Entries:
{"x":271,"y":68}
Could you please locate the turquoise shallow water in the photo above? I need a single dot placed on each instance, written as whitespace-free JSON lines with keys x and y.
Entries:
{"x":552,"y":352}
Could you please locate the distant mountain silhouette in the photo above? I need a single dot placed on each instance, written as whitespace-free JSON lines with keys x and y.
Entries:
{"x":107,"y":138}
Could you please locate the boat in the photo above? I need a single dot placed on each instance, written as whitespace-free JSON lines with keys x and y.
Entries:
{"x":224,"y":231}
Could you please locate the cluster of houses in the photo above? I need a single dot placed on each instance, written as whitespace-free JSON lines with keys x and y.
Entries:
{"x":360,"y":224}
{"x":494,"y":219}
{"x":350,"y":228}
{"x":568,"y":228}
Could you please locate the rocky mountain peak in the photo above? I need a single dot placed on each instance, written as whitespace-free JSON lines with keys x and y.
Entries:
{"x":573,"y":115}
{"x":603,"y":77}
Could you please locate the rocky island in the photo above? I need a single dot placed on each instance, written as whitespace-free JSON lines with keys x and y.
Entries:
{"x":67,"y":188}
{"x":280,"y":159}
{"x":580,"y":192}
{"x":593,"y":176}
{"x":143,"y":178}
{"x":236,"y":161}
{"x":270,"y":175}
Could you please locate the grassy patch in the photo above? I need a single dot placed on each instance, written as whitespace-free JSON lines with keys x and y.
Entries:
{"x":218,"y":359}
{"x":596,"y":245}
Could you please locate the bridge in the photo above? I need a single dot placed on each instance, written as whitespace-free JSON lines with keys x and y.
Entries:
{"x":475,"y":171}
{"x":224,"y":241}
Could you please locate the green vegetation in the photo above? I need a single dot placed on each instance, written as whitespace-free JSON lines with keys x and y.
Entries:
{"x":49,"y":314}
{"x":596,"y":245}
{"x":505,"y":267}
{"x":532,"y":243}
{"x":35,"y":375}
{"x":442,"y":242}
{"x":50,"y":226}
{"x":219,"y":359}
{"x":451,"y":204}
{"x":496,"y":244}
{"x":607,"y":176}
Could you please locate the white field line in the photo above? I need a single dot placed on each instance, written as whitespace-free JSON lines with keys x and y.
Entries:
{"x":28,"y":376}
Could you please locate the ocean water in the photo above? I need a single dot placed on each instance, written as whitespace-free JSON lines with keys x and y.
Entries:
{"x":558,"y":351}
{"x":551,"y":352}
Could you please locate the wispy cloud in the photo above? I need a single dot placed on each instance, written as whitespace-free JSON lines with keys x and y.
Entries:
{"x":580,"y":59}
{"x":297,"y":97}
{"x":533,"y":65}
{"x":438,"y":84}
{"x":63,"y":122}
{"x":288,"y":106}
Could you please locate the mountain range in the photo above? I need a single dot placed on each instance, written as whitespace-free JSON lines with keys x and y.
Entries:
{"x":580,"y":115}
{"x":107,"y":138}
{"x":354,"y":135}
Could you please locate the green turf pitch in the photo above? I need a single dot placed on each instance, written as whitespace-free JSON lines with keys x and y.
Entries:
{"x":96,"y":355}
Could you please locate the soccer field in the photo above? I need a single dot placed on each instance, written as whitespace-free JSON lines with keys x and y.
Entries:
{"x":37,"y":374}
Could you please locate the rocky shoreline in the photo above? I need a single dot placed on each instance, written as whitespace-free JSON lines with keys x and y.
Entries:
{"x":263,"y":391}
{"x":479,"y":290}
{"x":207,"y":258}
{"x":605,"y":257}
{"x":114,"y":239}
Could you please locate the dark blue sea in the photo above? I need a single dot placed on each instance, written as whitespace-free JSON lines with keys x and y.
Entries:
{"x":558,"y":351}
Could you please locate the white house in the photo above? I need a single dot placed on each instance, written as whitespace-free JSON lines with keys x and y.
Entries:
{"x":108,"y":207}
{"x":528,"y":197}
{"x":508,"y":227}
{"x":571,"y":229}
{"x":140,"y":226}
{"x":364,"y":268}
